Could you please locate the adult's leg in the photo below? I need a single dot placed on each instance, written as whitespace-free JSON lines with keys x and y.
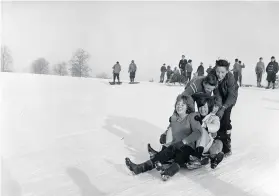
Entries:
{"x":224,"y":133}
{"x":118,"y":77}
{"x":235,"y":74}
{"x":114,"y":75}
{"x":240,"y":79}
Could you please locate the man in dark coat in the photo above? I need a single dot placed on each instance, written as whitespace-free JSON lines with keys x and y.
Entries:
{"x":200,"y":70}
{"x":271,"y":70}
{"x":182,"y":65}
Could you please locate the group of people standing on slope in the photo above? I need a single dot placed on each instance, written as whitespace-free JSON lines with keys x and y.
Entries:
{"x":185,"y":70}
{"x":117,"y":69}
{"x":195,"y":138}
{"x":271,"y":70}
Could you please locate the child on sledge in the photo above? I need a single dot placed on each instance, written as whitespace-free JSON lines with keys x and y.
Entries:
{"x":210,"y":124}
{"x":226,"y":93}
{"x":184,"y":130}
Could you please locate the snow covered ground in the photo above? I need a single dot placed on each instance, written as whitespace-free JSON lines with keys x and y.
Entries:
{"x":69,"y":136}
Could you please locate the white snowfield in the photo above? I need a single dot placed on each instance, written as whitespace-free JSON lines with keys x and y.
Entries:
{"x":63,"y":136}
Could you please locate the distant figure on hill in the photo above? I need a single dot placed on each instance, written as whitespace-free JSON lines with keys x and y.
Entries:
{"x":200,"y":70}
{"x":260,"y":69}
{"x":189,"y":70}
{"x":182,"y":64}
{"x":237,"y":71}
{"x":271,"y":70}
{"x":132,"y":70}
{"x":116,"y":71}
{"x":169,"y":72}
{"x":163,"y":71}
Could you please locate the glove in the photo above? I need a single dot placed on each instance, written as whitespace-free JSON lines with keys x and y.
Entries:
{"x":220,"y":112}
{"x":163,"y":139}
{"x":178,"y":145}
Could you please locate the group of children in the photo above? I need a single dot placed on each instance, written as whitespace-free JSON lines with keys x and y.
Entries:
{"x":117,"y":69}
{"x":193,"y":138}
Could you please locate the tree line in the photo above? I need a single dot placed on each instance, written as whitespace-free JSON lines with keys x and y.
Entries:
{"x":77,"y":66}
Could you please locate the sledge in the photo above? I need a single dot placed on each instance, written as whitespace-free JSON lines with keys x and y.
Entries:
{"x":114,"y":83}
{"x":134,"y":82}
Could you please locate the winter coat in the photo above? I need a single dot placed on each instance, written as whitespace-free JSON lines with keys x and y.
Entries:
{"x":226,"y":91}
{"x":200,"y":70}
{"x":193,"y":87}
{"x":272,"y":67}
{"x":163,"y":69}
{"x":208,"y":70}
{"x":271,"y":70}
{"x":260,"y":67}
{"x":210,"y":126}
{"x":169,"y":72}
{"x":116,"y":68}
{"x":182,"y":64}
{"x":188,"y":129}
{"x":132,"y":67}
{"x":237,"y":68}
{"x":189,"y":67}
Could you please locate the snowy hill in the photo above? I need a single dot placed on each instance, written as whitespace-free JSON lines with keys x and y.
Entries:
{"x":69,"y":136}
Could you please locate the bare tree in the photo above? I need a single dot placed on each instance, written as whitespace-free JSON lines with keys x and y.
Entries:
{"x":6,"y":59}
{"x":60,"y":69}
{"x":40,"y":66}
{"x":79,"y":67}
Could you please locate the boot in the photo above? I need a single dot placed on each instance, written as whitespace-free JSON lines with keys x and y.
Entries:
{"x":216,"y":160}
{"x":273,"y":87}
{"x":268,"y":86}
{"x":170,"y":171}
{"x":139,"y":168}
{"x":151,"y":151}
{"x":199,"y":151}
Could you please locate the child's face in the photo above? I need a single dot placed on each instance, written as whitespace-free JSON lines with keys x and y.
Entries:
{"x":208,"y":88}
{"x":203,"y":110}
{"x":180,"y":107}
{"x":221,"y":72}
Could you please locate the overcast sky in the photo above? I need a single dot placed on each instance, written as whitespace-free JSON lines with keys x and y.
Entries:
{"x":151,"y":33}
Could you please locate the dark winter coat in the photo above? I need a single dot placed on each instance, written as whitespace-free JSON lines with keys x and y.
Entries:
{"x":193,"y":87}
{"x":163,"y":69}
{"x":182,"y":64}
{"x":188,"y":129}
{"x":200,"y":70}
{"x":271,"y":70}
{"x":226,"y":91}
